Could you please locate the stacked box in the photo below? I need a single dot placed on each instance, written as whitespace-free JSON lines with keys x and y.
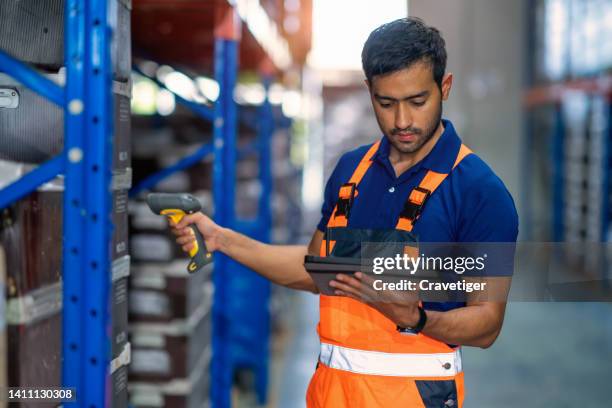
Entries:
{"x":162,"y":352}
{"x":170,"y":362}
{"x":34,"y":327}
{"x":170,"y":334}
{"x":30,"y":236}
{"x":32,"y":129}
{"x":190,"y":392}
{"x":3,"y":347}
{"x":160,"y":293}
{"x":119,"y":377}
{"x":33,"y":31}
{"x":33,"y":224}
{"x":34,"y":287}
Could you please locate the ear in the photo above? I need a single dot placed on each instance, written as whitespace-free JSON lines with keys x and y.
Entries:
{"x":447,"y":84}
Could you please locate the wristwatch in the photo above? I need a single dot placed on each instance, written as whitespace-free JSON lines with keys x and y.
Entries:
{"x":419,"y":326}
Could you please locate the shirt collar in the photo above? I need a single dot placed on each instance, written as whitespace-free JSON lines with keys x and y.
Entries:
{"x":441,"y":158}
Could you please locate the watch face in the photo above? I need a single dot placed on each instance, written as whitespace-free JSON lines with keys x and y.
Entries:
{"x":407,"y":331}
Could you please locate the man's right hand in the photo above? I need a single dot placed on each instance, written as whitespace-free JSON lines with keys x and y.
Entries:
{"x":211,"y":232}
{"x":282,"y":264}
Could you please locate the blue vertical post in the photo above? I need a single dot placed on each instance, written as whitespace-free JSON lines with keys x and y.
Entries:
{"x":227,"y":35}
{"x":266,"y":130}
{"x":74,"y":199}
{"x":87,"y":202}
{"x":558,"y":160}
{"x":98,"y":224}
{"x":97,"y":174}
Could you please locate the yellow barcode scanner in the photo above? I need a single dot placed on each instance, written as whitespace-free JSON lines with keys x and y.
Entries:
{"x":175,"y":206}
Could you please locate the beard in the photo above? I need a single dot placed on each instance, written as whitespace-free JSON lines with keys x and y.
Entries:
{"x":422,"y":135}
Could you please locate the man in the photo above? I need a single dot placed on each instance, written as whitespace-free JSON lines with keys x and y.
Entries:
{"x":393,"y":354}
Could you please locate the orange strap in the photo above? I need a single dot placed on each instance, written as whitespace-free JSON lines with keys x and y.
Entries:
{"x":417,"y":197}
{"x":341,"y":220}
{"x":426,"y":187}
{"x":347,"y":192}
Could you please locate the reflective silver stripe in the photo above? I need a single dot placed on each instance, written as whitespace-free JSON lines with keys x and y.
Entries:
{"x":391,"y":364}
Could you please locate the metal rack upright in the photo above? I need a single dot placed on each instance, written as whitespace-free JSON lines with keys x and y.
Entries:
{"x":85,"y":164}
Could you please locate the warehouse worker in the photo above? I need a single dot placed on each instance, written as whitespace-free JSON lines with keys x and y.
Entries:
{"x":418,"y":178}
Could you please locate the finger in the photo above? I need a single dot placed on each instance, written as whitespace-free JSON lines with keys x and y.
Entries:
{"x":187,"y":247}
{"x":185,"y":232}
{"x":364,"y":278}
{"x":188,"y":220}
{"x":349,"y":280}
{"x":183,"y":240}
{"x":367,"y":287}
{"x":347,"y":289}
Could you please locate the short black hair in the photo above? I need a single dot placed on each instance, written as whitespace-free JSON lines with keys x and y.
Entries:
{"x":401,"y":43}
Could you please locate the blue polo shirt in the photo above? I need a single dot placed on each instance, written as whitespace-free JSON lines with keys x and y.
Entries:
{"x":471,"y":205}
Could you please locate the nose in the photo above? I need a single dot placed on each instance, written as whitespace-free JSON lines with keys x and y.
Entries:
{"x":403,"y":117}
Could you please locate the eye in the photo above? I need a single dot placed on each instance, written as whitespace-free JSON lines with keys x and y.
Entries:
{"x":418,"y":103}
{"x":385,"y":105}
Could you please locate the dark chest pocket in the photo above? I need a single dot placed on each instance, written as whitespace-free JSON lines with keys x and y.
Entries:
{"x":438,"y":393}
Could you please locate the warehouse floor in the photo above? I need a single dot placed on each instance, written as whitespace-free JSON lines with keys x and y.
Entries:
{"x":549,"y":354}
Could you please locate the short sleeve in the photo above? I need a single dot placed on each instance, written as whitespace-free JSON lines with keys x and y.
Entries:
{"x":488,"y":215}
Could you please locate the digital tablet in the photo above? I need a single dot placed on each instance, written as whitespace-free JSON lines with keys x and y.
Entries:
{"x":324,"y":269}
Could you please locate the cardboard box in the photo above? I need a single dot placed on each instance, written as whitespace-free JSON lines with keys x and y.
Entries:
{"x":161,"y":293}
{"x":163,"y":351}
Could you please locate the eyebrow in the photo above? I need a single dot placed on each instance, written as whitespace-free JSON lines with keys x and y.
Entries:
{"x":388,"y":98}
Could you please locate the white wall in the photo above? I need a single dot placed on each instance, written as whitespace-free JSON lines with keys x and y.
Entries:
{"x":485,"y":45}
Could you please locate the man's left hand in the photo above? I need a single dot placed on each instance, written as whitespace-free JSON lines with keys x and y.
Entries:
{"x":401,"y":307}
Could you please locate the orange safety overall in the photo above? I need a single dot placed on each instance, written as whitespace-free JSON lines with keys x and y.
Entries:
{"x":364,"y":360}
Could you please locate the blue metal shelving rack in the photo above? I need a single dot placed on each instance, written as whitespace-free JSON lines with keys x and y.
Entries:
{"x":238,"y":343}
{"x":86,"y":165}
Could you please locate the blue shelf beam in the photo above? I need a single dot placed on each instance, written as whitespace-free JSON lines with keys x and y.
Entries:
{"x":32,"y":79}
{"x":29,"y":182}
{"x":182,"y":164}
{"x":198,"y":109}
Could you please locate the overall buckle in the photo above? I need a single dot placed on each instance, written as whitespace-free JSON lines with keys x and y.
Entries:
{"x":347,"y":195}
{"x":414,"y":205}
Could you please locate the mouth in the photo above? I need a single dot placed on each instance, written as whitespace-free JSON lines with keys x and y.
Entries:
{"x":406,"y":137}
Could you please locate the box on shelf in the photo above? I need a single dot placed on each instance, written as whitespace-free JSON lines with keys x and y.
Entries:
{"x":119,"y":386}
{"x":33,"y":31}
{"x":163,"y":351}
{"x":183,"y":392}
{"x":119,"y":316}
{"x":160,"y":293}
{"x":154,"y":247}
{"x":31,"y":235}
{"x":34,"y":333}
{"x":32,"y":128}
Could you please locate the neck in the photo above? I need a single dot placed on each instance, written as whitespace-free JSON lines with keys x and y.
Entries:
{"x":407,"y":160}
